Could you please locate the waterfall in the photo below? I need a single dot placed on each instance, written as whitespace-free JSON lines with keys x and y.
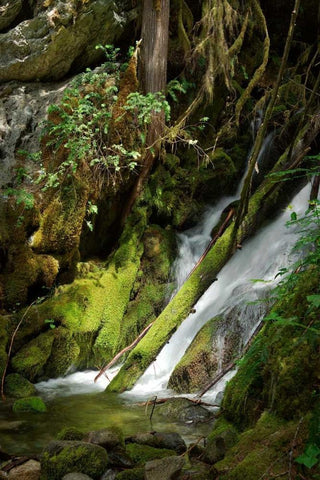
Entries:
{"x":260,"y":258}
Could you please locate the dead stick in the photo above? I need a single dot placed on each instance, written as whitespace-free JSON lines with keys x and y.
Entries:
{"x":126,"y":349}
{"x":10,"y":350}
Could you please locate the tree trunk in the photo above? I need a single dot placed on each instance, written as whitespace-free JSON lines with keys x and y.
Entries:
{"x":153,"y":78}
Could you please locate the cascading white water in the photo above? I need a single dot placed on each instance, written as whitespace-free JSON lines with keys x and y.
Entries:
{"x":260,"y":258}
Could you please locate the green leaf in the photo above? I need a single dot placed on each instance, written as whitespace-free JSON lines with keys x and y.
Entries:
{"x":309,"y":462}
{"x":315,"y":301}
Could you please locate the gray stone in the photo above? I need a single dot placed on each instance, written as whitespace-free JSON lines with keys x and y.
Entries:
{"x":9,"y":10}
{"x":182,"y":410}
{"x":164,"y":469}
{"x":171,"y":440}
{"x":22,"y":110}
{"x":27,"y":471}
{"x":109,"y":475}
{"x":76,"y":476}
{"x":46,"y":46}
{"x":106,"y":437}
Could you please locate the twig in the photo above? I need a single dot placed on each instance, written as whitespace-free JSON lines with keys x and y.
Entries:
{"x":192,"y":446}
{"x":10,"y":349}
{"x":293,"y":445}
{"x":126,"y":349}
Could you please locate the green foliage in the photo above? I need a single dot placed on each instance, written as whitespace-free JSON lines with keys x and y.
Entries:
{"x":50,"y":322}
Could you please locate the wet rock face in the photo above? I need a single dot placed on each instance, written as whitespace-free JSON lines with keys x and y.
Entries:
{"x":23,"y":107}
{"x":59,"y":36}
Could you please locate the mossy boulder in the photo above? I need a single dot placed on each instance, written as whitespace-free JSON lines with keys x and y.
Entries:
{"x":200,"y":362}
{"x":164,"y":468}
{"x":4,"y":324}
{"x":132,"y":474}
{"x":29,"y":404}
{"x":31,"y":359}
{"x":141,"y":454}
{"x":62,"y":457}
{"x":70,"y":433}
{"x":17,"y":386}
{"x":262,"y":449}
{"x":221,"y":439}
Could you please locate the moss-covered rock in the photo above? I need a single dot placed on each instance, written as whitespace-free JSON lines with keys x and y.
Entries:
{"x":200,"y":362}
{"x":4,"y":322}
{"x":141,"y":454}
{"x":70,"y":433}
{"x":29,"y":404}
{"x":62,"y":457}
{"x":132,"y":474}
{"x":18,"y":387}
{"x":31,"y":359}
{"x":107,"y":438}
{"x":263,"y":450}
{"x":171,"y":440}
{"x":220,"y":440}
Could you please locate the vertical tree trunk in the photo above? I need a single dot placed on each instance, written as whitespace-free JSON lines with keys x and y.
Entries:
{"x":153,"y":77}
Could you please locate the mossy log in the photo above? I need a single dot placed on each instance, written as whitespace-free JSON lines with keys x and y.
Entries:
{"x":265,"y":201}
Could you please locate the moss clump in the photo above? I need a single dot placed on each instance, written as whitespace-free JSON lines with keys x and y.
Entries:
{"x":132,"y":474}
{"x":62,"y":457}
{"x":70,"y":433}
{"x":3,"y":342}
{"x":30,"y":404}
{"x":31,"y":359}
{"x":18,"y":387}
{"x":141,"y":454}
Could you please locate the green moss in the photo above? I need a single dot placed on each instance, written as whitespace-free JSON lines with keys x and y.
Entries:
{"x":198,"y":365}
{"x":262,"y":450}
{"x":29,"y":404}
{"x":70,"y":433}
{"x":172,"y":315}
{"x":141,"y":454}
{"x":132,"y":474}
{"x":18,"y":387}
{"x":65,"y":352}
{"x":62,"y":457}
{"x":220,"y":426}
{"x":31,"y":359}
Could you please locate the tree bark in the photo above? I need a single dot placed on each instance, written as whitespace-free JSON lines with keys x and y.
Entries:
{"x":153,"y":78}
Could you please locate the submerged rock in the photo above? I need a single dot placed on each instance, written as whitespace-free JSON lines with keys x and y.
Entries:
{"x":183,"y":410}
{"x":164,"y":469}
{"x":29,"y":404}
{"x":107,"y":437}
{"x":173,"y":440}
{"x":60,"y":458}
{"x":76,"y":476}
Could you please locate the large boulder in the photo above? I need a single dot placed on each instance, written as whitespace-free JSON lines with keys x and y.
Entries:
{"x":18,"y":387}
{"x":61,"y":36}
{"x":61,"y":458}
{"x":183,"y":410}
{"x":29,"y":404}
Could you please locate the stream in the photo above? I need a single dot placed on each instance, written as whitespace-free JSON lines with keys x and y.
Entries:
{"x":77,"y":401}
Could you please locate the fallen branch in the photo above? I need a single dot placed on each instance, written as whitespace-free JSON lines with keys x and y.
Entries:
{"x":10,"y":349}
{"x":126,"y":349}
{"x":160,"y":401}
